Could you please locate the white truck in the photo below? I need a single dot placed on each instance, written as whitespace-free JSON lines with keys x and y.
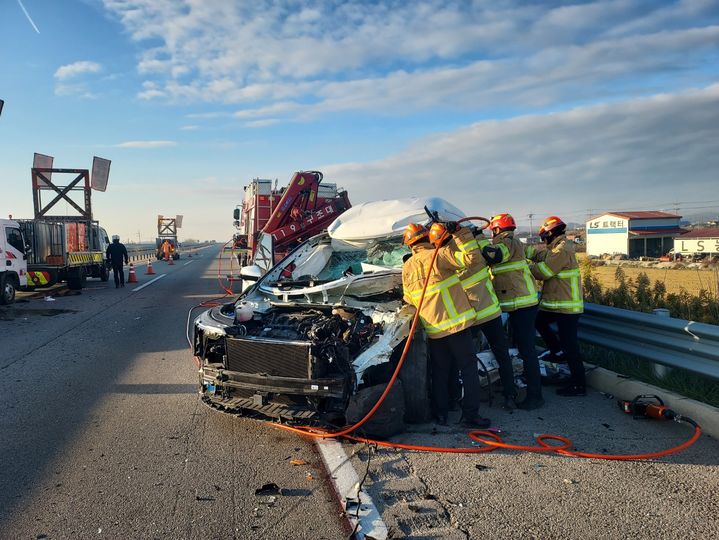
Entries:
{"x":39,"y":253}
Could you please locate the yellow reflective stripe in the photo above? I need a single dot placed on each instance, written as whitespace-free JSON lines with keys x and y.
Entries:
{"x":475,"y":278}
{"x":449,"y":323}
{"x":530,"y":252}
{"x":489,"y":310}
{"x":528,"y":300}
{"x":505,"y":251}
{"x":569,"y":273}
{"x":509,"y":266}
{"x":437,"y":287}
{"x":449,"y":303}
{"x":545,"y":270}
{"x":562,"y":304}
{"x":483,"y":243}
{"x":529,"y":281}
{"x":470,"y":245}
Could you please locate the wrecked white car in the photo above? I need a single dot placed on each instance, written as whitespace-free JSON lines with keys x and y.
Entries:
{"x":319,"y":335}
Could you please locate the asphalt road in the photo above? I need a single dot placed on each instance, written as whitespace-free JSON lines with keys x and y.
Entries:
{"x":102,"y":433}
{"x":509,"y":494}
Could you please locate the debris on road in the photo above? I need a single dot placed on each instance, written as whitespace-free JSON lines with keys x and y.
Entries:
{"x":268,"y":489}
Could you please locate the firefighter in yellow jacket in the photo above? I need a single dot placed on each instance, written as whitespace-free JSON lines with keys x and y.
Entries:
{"x":517,"y":293}
{"x":474,"y":257}
{"x":447,"y":316}
{"x":561,"y":301}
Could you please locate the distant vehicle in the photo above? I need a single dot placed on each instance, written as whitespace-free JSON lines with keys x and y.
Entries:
{"x":167,"y":230}
{"x":39,"y":253}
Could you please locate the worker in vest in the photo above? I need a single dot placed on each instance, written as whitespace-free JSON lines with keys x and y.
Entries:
{"x":515,"y":288}
{"x":166,"y":248}
{"x":447,"y":317}
{"x":473,"y":257}
{"x":561,"y":300}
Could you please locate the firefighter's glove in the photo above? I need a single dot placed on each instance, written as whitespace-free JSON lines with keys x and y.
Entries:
{"x":451,"y":226}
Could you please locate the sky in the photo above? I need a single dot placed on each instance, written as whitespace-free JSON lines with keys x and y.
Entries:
{"x":532,"y":108}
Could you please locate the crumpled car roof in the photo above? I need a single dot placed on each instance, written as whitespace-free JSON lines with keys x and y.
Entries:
{"x":388,"y":218}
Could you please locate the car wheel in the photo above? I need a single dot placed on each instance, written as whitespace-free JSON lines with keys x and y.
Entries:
{"x":104,"y":273}
{"x":8,"y":287}
{"x":415,"y":375}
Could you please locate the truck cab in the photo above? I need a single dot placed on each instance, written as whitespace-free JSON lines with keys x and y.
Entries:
{"x":13,"y":260}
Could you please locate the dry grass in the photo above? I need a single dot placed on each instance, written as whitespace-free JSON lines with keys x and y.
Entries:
{"x":691,"y":280}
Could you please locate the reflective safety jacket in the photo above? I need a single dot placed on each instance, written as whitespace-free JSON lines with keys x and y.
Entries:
{"x":557,"y":267}
{"x":446,"y":309}
{"x":512,"y":279}
{"x":474,"y":255}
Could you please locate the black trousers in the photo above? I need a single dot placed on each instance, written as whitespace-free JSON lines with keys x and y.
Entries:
{"x":565,"y":340}
{"x":522,"y":323}
{"x":118,"y":273}
{"x":450,"y":353}
{"x":497,"y":339}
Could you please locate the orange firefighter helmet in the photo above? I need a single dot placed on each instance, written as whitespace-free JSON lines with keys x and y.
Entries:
{"x":413,"y":233}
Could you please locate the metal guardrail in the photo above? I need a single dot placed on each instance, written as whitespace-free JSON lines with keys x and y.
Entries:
{"x":145,"y":254}
{"x":671,"y":342}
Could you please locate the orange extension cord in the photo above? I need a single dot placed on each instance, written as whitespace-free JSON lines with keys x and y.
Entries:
{"x":489,"y":439}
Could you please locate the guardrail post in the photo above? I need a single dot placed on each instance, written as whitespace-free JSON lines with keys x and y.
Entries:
{"x":660,"y":370}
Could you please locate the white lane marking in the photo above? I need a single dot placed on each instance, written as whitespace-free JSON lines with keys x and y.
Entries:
{"x":148,"y":283}
{"x":188,"y":262}
{"x":345,"y":480}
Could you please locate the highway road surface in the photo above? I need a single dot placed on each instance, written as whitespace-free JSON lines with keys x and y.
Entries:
{"x":102,"y":435}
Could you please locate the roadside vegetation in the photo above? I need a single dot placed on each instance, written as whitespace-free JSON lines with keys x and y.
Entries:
{"x":640,"y":294}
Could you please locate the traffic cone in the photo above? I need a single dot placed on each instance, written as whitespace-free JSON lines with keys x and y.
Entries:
{"x":171,"y":261}
{"x":131,"y":276}
{"x":150,"y":271}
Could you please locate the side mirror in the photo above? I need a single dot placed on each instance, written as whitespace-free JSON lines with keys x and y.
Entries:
{"x":236,"y":214}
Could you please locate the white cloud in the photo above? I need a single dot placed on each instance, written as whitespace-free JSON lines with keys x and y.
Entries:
{"x":75,"y":69}
{"x":190,"y":128}
{"x":653,"y":149}
{"x":145,"y":144}
{"x":400,"y":58}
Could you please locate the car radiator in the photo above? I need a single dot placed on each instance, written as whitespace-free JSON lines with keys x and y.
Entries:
{"x":271,"y":357}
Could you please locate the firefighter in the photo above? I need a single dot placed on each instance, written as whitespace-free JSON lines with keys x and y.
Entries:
{"x":517,"y":293}
{"x":116,"y":254}
{"x":447,"y":317}
{"x":561,"y":300}
{"x":473,"y":257}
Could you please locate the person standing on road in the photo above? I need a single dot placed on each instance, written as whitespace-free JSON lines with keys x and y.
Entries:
{"x":117,"y":255}
{"x":447,"y":318}
{"x":517,"y":293}
{"x":562,"y":301}
{"x":166,"y":249}
{"x":474,"y":256}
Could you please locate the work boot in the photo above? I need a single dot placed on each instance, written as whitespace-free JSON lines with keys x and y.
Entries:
{"x":572,"y":390}
{"x":475,"y":422}
{"x":530,"y":403}
{"x":508,"y":404}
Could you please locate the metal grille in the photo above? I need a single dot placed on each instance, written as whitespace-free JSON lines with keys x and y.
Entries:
{"x":276,"y":358}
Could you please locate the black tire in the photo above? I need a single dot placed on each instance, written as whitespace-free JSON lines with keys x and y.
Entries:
{"x":415,"y":378}
{"x":104,"y":273}
{"x":76,"y":279}
{"x":176,"y":256}
{"x":8,"y":288}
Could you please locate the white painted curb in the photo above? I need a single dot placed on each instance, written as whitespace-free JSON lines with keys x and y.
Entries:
{"x":626,"y":388}
{"x":345,"y":481}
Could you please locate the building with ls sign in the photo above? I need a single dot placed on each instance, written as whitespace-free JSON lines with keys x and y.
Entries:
{"x":634,"y":234}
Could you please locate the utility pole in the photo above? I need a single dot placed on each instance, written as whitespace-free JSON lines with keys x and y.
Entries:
{"x":138,"y":237}
{"x":531,"y":226}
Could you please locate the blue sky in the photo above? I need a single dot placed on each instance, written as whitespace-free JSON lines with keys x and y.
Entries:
{"x":544,"y":107}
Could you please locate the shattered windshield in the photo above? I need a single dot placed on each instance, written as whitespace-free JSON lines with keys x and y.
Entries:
{"x":387,"y":254}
